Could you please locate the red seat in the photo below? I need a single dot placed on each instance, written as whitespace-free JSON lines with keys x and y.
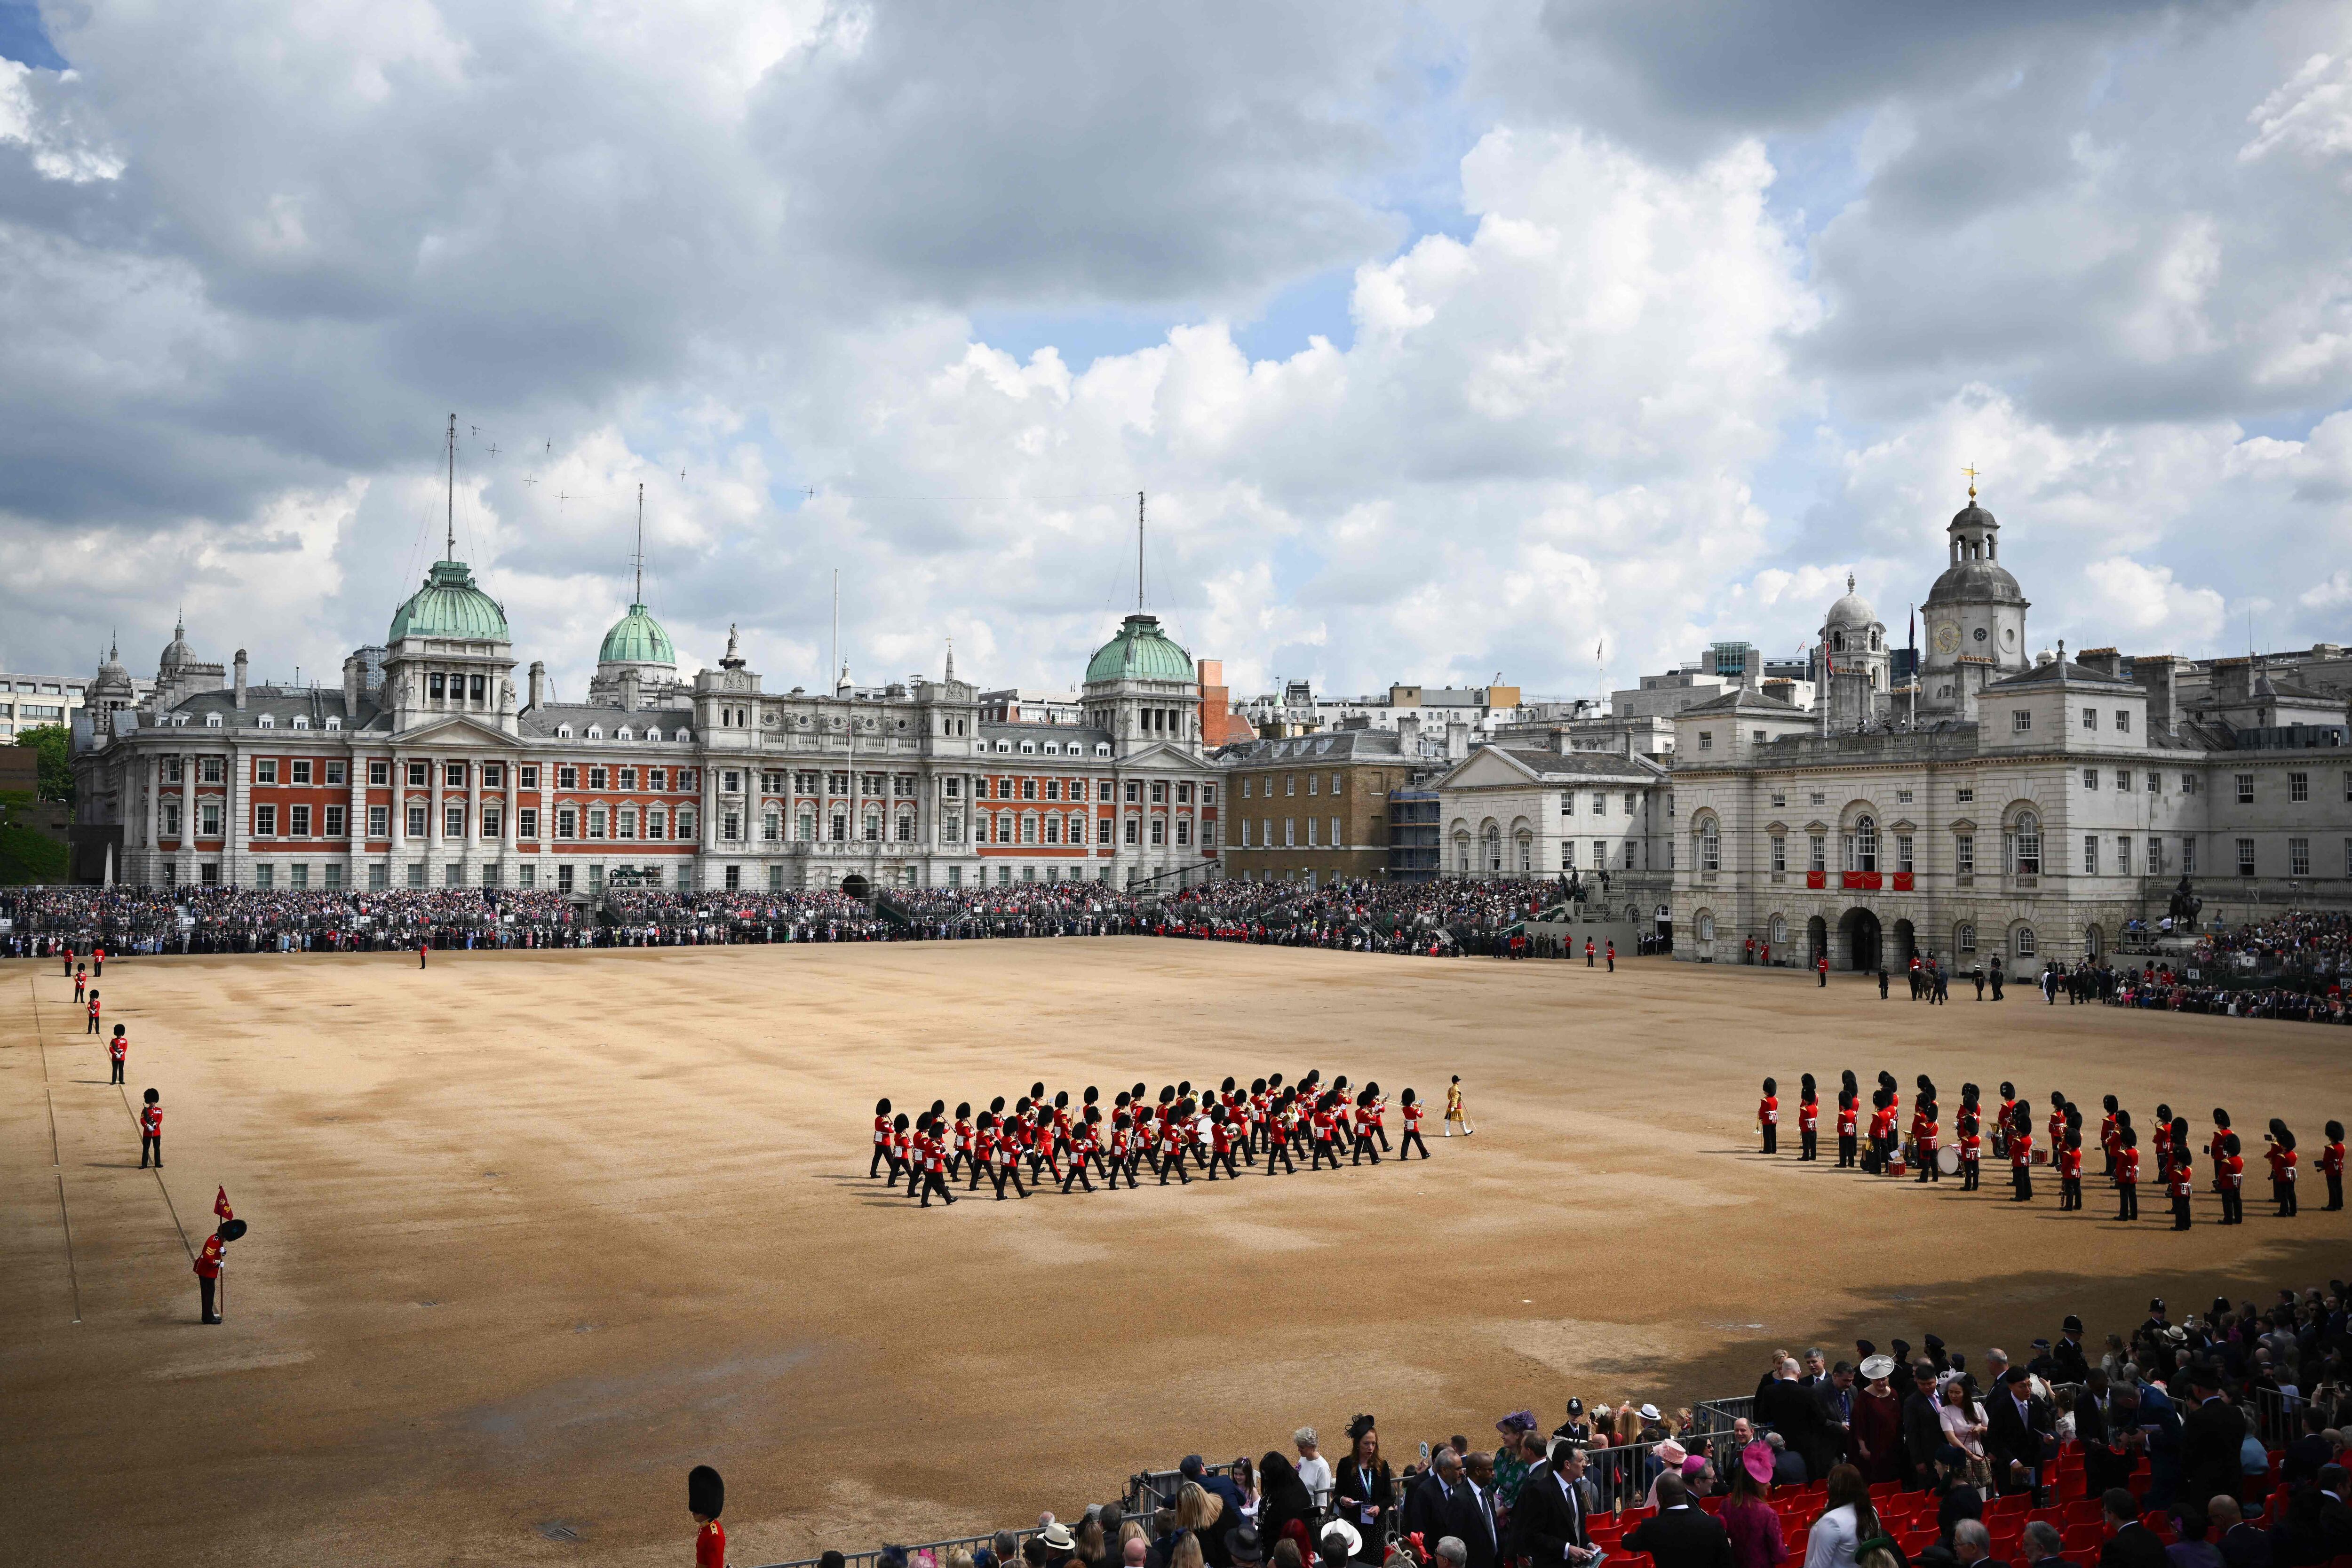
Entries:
{"x":2086,"y":1538}
{"x":1885,"y":1489}
{"x":2003,"y":1507}
{"x":2083,"y":1511}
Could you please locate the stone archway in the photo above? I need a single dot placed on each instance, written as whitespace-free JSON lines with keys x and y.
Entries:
{"x":855,"y":886}
{"x":1817,"y":940}
{"x":1903,"y":945}
{"x":1858,"y":930}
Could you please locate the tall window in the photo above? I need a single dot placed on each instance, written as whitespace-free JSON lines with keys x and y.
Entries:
{"x":2245,"y":857}
{"x":1818,"y":853}
{"x":1710,"y":846}
{"x":1964,"y":854}
{"x":2298,"y":856}
{"x":1862,"y":846}
{"x":2026,"y":845}
{"x":1779,"y":852}
{"x":2091,"y":853}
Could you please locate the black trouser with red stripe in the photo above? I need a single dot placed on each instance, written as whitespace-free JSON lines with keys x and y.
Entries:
{"x":2129,"y":1208}
{"x":1174,"y":1163}
{"x":2234,"y":1205}
{"x":1363,"y":1147}
{"x":1280,"y":1151}
{"x":205,"y":1287}
{"x":1225,"y":1157}
{"x":932,"y":1182}
{"x":148,"y":1140}
{"x":1410,"y":1141}
{"x":117,"y":1071}
{"x":1010,"y":1168}
{"x":874,"y":1166}
{"x":2334,"y":1189}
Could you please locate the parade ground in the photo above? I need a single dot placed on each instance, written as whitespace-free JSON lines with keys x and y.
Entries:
{"x":532,"y":1232}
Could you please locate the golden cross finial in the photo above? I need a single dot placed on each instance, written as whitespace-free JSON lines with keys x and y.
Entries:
{"x":1971,"y":472}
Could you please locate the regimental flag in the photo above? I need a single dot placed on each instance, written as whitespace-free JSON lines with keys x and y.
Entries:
{"x":220,"y":1206}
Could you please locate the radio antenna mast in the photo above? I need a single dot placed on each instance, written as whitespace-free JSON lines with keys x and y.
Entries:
{"x":640,"y":596}
{"x":1138,"y":551}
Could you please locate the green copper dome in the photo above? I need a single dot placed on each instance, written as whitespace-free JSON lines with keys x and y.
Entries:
{"x":637,"y":638}
{"x":1140,"y":651}
{"x":449,"y":605}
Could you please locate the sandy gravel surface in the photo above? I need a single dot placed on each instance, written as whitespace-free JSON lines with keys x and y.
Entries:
{"x":534,"y":1233}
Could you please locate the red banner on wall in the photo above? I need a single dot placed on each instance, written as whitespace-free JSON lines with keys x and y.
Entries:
{"x":1817,"y":879}
{"x":1902,"y":882}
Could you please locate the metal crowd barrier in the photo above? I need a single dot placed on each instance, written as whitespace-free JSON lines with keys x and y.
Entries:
{"x":939,"y":1550}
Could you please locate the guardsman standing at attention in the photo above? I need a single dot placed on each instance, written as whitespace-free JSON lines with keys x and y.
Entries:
{"x":2280,"y":1154}
{"x":81,"y":986}
{"x":2021,"y":1155}
{"x":1613,"y":956}
{"x":2127,"y":1172}
{"x":2331,"y":1165}
{"x":706,"y":1499}
{"x":93,"y":1011}
{"x":150,"y":1131}
{"x":2229,"y":1175}
{"x":1848,"y":1118}
{"x":97,"y":962}
{"x":1808,"y":1119}
{"x":1767,"y":1116}
{"x":208,"y":1269}
{"x":2183,"y":1180}
{"x":116,"y":1049}
{"x":1822,"y":968}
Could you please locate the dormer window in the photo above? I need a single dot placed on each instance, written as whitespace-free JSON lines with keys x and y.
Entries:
{"x":623,"y":733}
{"x":563,"y":732}
{"x":1102,"y":748}
{"x":268,"y":721}
{"x":301,"y":720}
{"x":595,"y":731}
{"x":211,"y":721}
{"x":334,"y":722}
{"x":652,"y":732}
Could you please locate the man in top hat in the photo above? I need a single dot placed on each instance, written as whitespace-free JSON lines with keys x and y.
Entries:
{"x":2067,"y":1356}
{"x":706,"y":1497}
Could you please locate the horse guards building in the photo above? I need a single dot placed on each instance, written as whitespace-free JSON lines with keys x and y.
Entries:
{"x":1996,"y":802}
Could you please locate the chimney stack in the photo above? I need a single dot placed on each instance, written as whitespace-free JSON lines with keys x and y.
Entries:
{"x":1457,"y":740}
{"x":2159,"y":675}
{"x":1409,"y":734}
{"x":629,"y":690}
{"x":2106,"y":660}
{"x":240,"y":680}
{"x":538,"y":682}
{"x":353,"y":671}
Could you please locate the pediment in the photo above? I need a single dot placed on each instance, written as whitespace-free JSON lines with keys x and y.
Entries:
{"x":455,"y":729}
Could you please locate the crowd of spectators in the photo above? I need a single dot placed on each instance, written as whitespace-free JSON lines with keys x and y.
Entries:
{"x":1445,"y":918}
{"x":2290,"y":966}
{"x":2220,"y":1440}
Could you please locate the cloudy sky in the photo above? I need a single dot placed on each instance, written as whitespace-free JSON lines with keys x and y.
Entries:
{"x":1446,"y":339}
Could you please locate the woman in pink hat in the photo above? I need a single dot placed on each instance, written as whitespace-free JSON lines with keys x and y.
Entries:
{"x":1747,"y":1518}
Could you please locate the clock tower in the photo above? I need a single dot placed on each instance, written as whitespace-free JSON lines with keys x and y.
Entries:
{"x":1974,"y":617}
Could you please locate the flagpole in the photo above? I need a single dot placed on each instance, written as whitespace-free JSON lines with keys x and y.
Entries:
{"x":1911,"y":635}
{"x":1829,"y":679}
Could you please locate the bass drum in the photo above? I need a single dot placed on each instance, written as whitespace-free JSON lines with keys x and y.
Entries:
{"x":1948,"y":1159}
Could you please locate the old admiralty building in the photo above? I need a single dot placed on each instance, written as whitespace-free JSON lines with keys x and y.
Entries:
{"x":427,"y":767}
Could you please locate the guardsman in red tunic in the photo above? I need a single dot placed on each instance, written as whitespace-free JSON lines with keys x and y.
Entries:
{"x":882,"y":1150}
{"x":1411,"y":1109}
{"x":2108,"y":1141}
{"x":2057,"y":1124}
{"x":70,"y":961}
{"x":81,"y":986}
{"x":116,"y":1049}
{"x":2164,"y":1143}
{"x":1809,"y":1120}
{"x":2231,"y":1177}
{"x":2021,"y":1156}
{"x":2331,"y":1165}
{"x":2213,"y":1144}
{"x":1767,"y":1116}
{"x":2182,"y":1184}
{"x":1928,"y":1135}
{"x":961,"y":1149}
{"x":2127,"y":1174}
{"x":1363,"y":1143}
{"x":934,"y":1145}
{"x":1122,"y":1151}
{"x":1848,"y":1121}
{"x":93,"y":1011}
{"x":2006,"y":1120}
{"x":2280,"y":1154}
{"x":1589,"y":951}
{"x":209,"y":1268}
{"x":2070,"y":1170}
{"x":150,"y":1131}
{"x":97,"y":962}
{"x":1971,"y":1127}
{"x":1611,"y":952}
{"x":706,"y":1499}
{"x":1822,"y":969}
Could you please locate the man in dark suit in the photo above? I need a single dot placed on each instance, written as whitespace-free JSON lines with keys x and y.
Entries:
{"x":1923,"y":1428}
{"x":2243,"y":1545}
{"x":1833,"y":1402}
{"x":2335,"y":1515}
{"x":2308,"y":1452}
{"x":1425,"y":1502}
{"x":1681,"y":1536}
{"x":1470,"y":1511}
{"x":2041,"y":1546}
{"x":2130,"y":1544}
{"x":2066,"y":1355}
{"x":2210,"y":1436}
{"x":1548,"y":1523}
{"x":2019,"y":1429}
